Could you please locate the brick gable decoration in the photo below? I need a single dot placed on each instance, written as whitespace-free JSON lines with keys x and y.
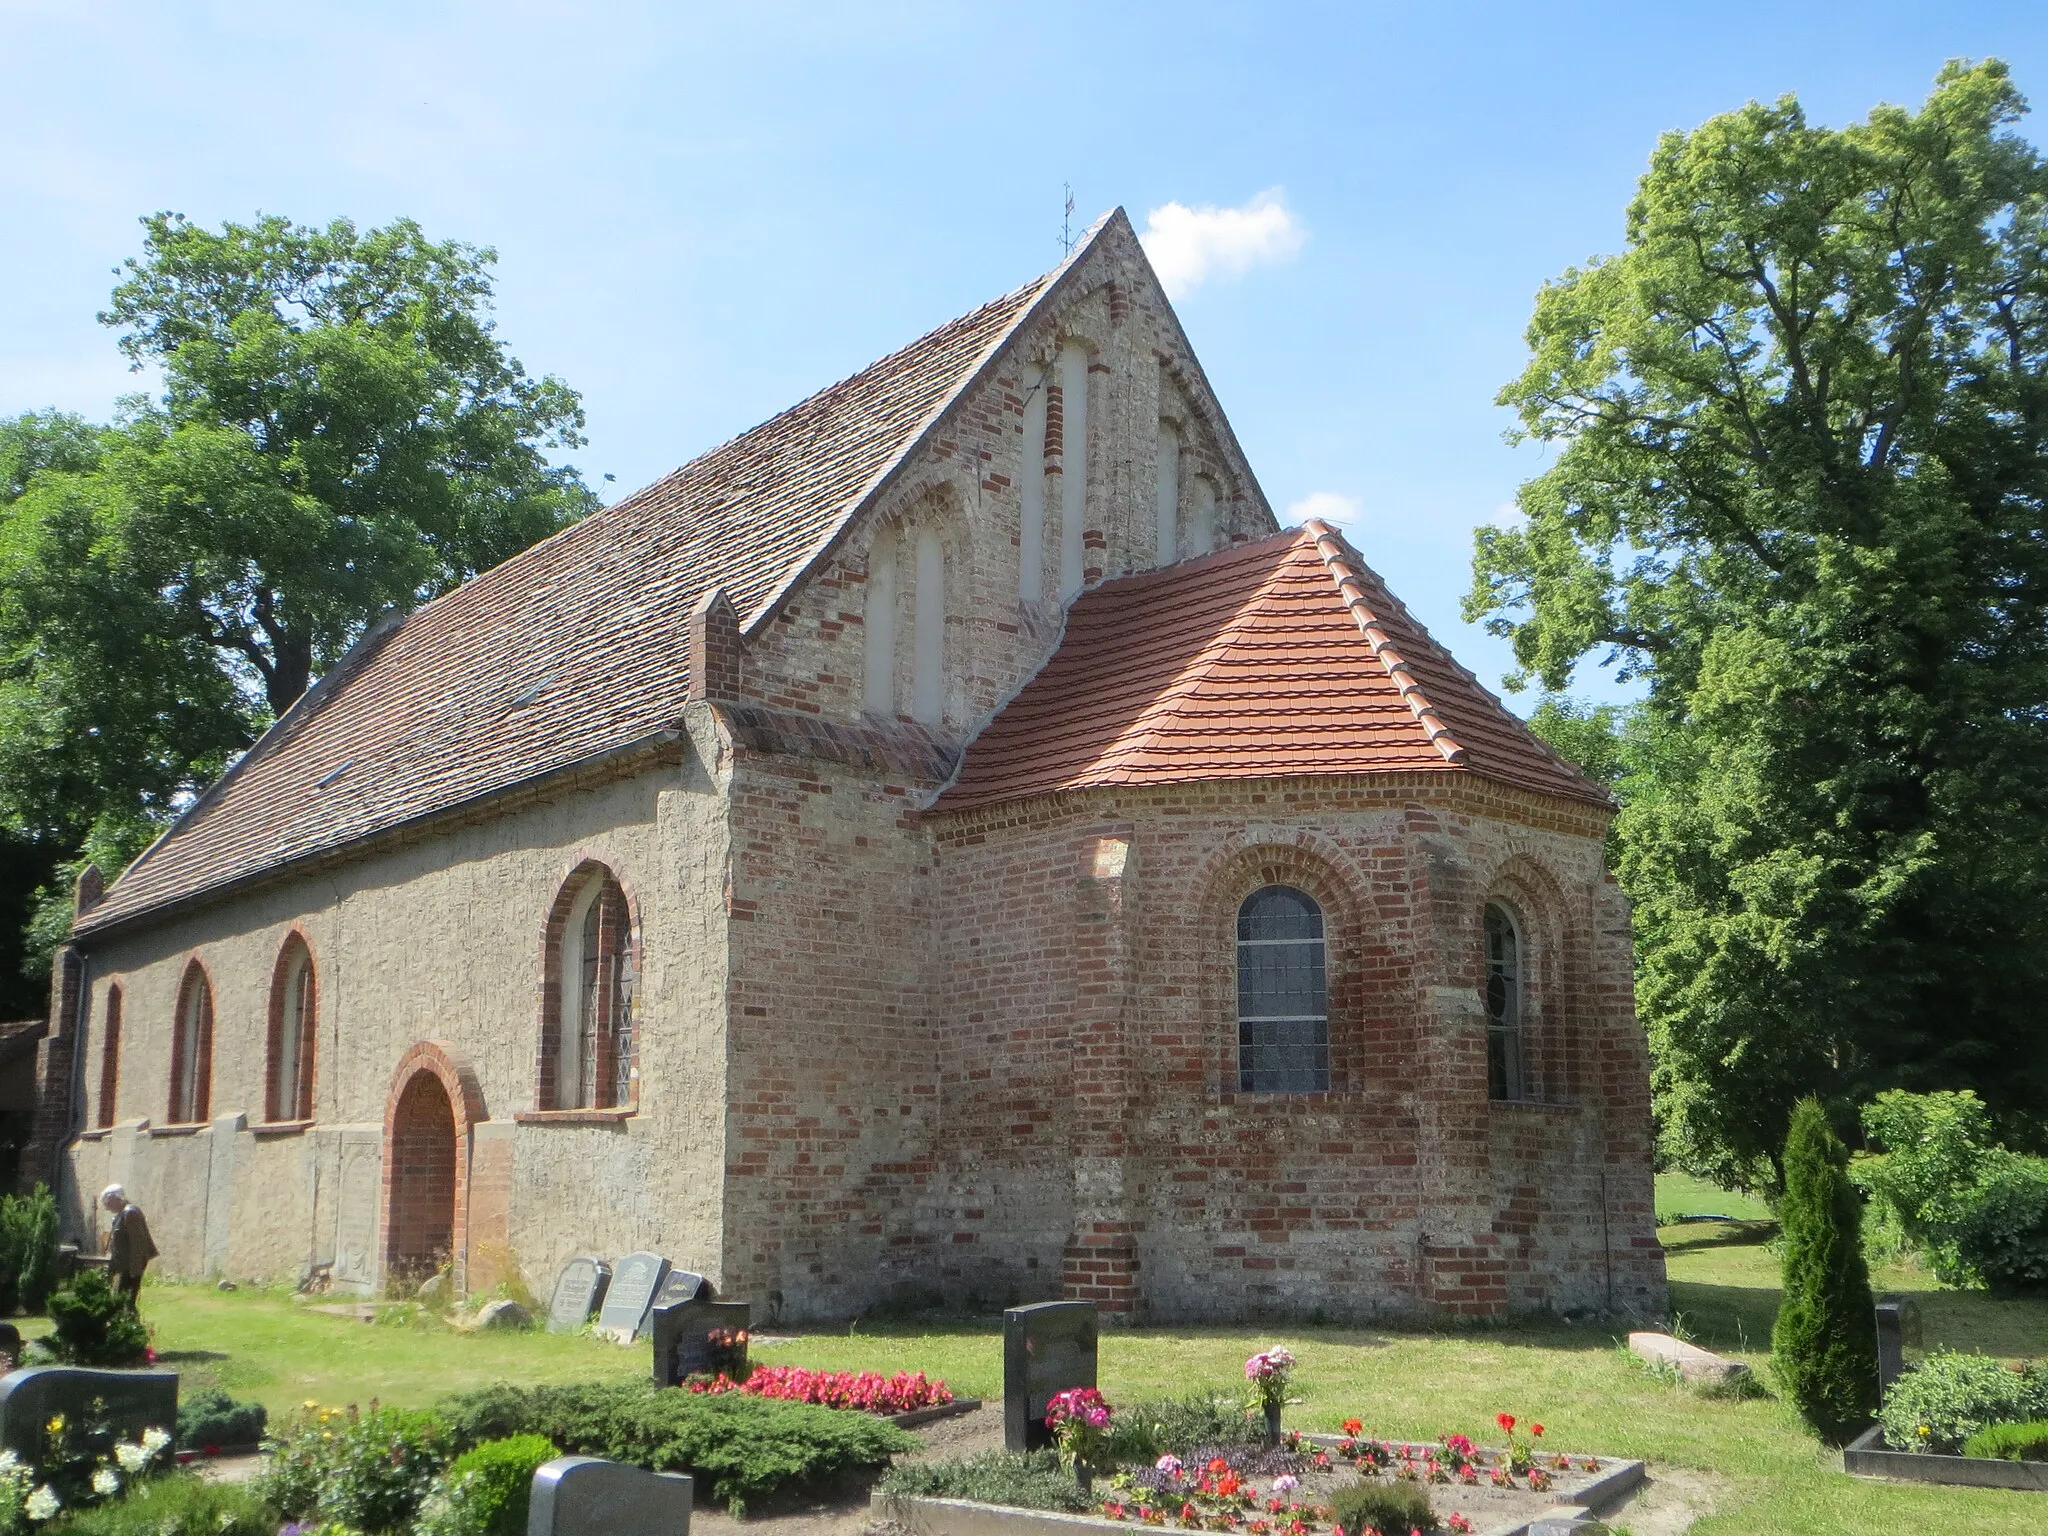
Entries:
{"x":946,"y":844}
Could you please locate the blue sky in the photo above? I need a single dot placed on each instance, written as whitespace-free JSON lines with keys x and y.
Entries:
{"x":705,"y":213}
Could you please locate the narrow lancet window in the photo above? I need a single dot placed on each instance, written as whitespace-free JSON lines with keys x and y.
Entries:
{"x":1073,"y":468}
{"x":593,"y":984}
{"x":289,"y":1095}
{"x":110,"y":1058}
{"x":879,"y":693}
{"x":1503,"y":1006}
{"x":1166,"y":495}
{"x":928,"y":632}
{"x":1031,"y":491}
{"x":192,"y":1049}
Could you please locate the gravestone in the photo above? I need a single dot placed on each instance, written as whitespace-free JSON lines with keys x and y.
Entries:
{"x":132,"y":1402}
{"x":680,"y":1286}
{"x":1048,"y":1348}
{"x":579,"y":1290}
{"x":583,"y":1496}
{"x":700,"y":1338}
{"x":635,"y":1279}
{"x":1898,"y":1325}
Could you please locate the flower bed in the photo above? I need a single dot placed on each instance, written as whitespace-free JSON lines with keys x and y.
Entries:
{"x":861,"y":1391}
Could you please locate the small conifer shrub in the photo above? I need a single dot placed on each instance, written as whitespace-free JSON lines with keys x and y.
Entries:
{"x":1824,"y":1346}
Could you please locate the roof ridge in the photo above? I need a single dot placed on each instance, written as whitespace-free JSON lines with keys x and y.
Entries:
{"x":1332,"y":550}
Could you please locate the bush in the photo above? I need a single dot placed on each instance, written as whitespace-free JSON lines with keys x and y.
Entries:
{"x":178,"y":1505}
{"x":1824,"y":1345}
{"x":1978,"y":1212}
{"x":1952,"y":1396}
{"x":28,"y":1250}
{"x":487,"y":1491}
{"x":95,"y":1324}
{"x":370,"y":1471}
{"x":2010,"y":1442}
{"x":1032,"y":1481}
{"x":737,"y":1447}
{"x":1146,"y":1431}
{"x":211,"y":1419}
{"x":1390,"y":1508}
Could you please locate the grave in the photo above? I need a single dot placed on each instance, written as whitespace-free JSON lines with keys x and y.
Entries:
{"x":585,"y":1496}
{"x":635,"y":1279}
{"x":1690,"y":1361}
{"x":700,"y":1338}
{"x":133,"y":1401}
{"x":1048,"y":1347}
{"x":579,"y":1290}
{"x":683,"y":1285}
{"x":1898,"y":1325}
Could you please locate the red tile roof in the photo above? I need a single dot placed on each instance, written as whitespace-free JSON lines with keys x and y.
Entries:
{"x":571,"y":650}
{"x":1273,"y":659}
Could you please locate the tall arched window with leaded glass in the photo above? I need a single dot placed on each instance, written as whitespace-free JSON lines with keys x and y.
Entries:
{"x":1504,"y":1078}
{"x":1283,"y":994}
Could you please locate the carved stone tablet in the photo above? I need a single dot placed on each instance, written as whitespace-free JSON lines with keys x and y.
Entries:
{"x":1047,"y":1348}
{"x":579,"y":1290}
{"x":583,"y":1496}
{"x":635,"y":1279}
{"x":700,"y":1338}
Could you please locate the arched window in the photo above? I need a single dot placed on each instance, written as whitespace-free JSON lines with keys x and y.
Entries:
{"x":591,"y":1044}
{"x":1031,"y":492}
{"x":1503,"y":1006}
{"x":192,"y":1049}
{"x":1283,"y":994}
{"x":110,"y":1057}
{"x":1166,"y":494}
{"x":928,"y":632}
{"x":288,"y":1089}
{"x":879,"y":694}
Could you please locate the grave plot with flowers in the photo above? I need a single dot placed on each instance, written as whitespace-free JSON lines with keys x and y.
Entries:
{"x":1221,"y":1463}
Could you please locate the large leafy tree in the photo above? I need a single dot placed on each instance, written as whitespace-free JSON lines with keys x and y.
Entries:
{"x":1801,"y":490}
{"x":339,"y":432}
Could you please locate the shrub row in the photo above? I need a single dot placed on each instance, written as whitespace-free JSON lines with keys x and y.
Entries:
{"x":1032,"y":1481}
{"x":739,"y":1448}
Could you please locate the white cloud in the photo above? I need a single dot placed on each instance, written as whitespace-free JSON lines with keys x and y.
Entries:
{"x":1331,"y":506}
{"x":1188,"y":246}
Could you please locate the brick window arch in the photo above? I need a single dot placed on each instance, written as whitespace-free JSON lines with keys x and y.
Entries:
{"x":110,"y":1057}
{"x":294,"y":1011}
{"x":1283,"y":993}
{"x":1502,"y":993}
{"x":587,"y":1048}
{"x":192,"y":1048}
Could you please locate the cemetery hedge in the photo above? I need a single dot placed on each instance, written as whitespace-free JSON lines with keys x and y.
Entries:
{"x":740,"y":1449}
{"x":181,"y":1504}
{"x":1027,"y":1481}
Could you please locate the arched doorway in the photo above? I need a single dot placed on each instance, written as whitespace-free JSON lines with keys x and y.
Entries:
{"x":422,"y":1182}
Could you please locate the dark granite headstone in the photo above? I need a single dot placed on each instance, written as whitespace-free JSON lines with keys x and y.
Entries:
{"x":1047,"y":1348}
{"x":109,"y":1405}
{"x":635,"y":1279}
{"x":579,"y":1291}
{"x":1898,"y":1325}
{"x":583,"y":1496}
{"x":700,"y":1338}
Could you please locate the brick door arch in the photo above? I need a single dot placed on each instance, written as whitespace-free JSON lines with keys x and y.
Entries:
{"x":433,"y":1105}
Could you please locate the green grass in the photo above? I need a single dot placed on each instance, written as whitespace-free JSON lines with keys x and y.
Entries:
{"x":1775,"y":1480}
{"x":1680,"y":1194}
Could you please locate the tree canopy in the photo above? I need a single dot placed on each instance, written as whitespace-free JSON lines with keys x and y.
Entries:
{"x":1801,"y":491}
{"x":339,"y":432}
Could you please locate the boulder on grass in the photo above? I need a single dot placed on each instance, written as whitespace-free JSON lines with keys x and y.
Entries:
{"x":1690,"y":1361}
{"x":503,"y":1313}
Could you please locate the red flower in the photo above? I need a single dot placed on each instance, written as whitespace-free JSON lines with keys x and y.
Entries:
{"x":1506,"y":1421}
{"x":1353,"y":1426}
{"x":1535,"y":1429}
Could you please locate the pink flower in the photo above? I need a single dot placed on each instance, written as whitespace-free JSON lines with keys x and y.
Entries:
{"x":1169,"y":1464}
{"x":1286,"y":1482}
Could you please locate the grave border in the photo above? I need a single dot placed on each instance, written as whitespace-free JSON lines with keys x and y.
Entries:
{"x":1868,"y":1456}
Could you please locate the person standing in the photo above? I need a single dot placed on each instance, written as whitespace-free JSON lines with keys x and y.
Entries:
{"x":129,"y":1246}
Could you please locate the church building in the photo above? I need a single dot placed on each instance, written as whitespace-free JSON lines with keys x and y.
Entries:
{"x":946,"y":844}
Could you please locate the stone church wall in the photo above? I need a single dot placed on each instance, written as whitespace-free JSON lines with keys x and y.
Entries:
{"x":438,"y":939}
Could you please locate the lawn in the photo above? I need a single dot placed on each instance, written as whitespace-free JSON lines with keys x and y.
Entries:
{"x":1766,"y":1474}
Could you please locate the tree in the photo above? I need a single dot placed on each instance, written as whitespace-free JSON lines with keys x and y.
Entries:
{"x":1824,"y":1343}
{"x":1802,"y":492}
{"x":339,"y":433}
